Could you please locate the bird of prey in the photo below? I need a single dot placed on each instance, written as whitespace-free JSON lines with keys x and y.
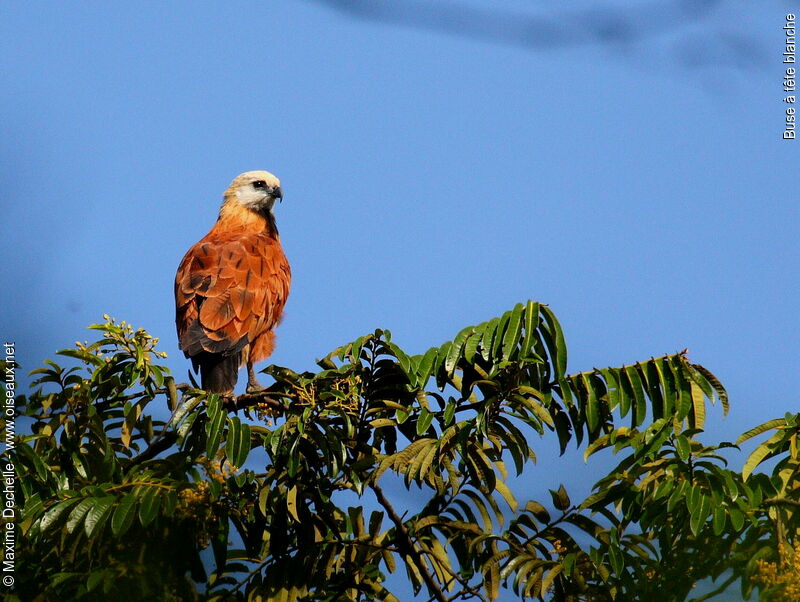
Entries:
{"x":231,"y":286}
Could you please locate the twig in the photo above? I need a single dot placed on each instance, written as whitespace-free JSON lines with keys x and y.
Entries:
{"x":717,"y":591}
{"x":166,"y":438}
{"x":163,"y":443}
{"x":781,"y":501}
{"x":264,"y":398}
{"x":407,"y":544}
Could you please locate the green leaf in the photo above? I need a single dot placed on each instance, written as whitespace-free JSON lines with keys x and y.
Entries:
{"x":237,"y":447}
{"x":563,"y":430}
{"x":720,"y":391}
{"x":213,"y":406}
{"x":355,"y":349}
{"x":95,"y":579}
{"x":172,"y":394}
{"x":487,"y":339}
{"x":483,"y":467}
{"x":538,"y":510}
{"x":291,"y":503}
{"x":596,"y":445}
{"x":54,"y":512}
{"x":423,"y":462}
{"x":668,"y":386}
{"x":613,"y":391}
{"x":591,"y":404}
{"x":683,"y":390}
{"x":425,"y":366}
{"x":123,"y":515}
{"x":185,"y":410}
{"x":454,"y":353}
{"x":497,"y":343}
{"x":700,"y":513}
{"x":682,"y":447}
{"x":693,"y":498}
{"x":508,"y":496}
{"x":616,"y":559}
{"x":424,"y":421}
{"x":730,"y":485}
{"x":513,"y":331}
{"x":677,"y":495}
{"x":761,"y":428}
{"x":639,"y":406}
{"x":492,"y":581}
{"x":531,"y":324}
{"x":471,"y":346}
{"x":78,"y":513}
{"x":554,"y":339}
{"x":760,"y":454}
{"x":718,"y":521}
{"x":263,"y":500}
{"x":560,"y":498}
{"x":402,"y":358}
{"x":449,"y":412}
{"x":148,"y":507}
{"x":214,"y":426}
{"x":439,"y":370}
{"x":698,"y":405}
{"x":737,"y":519}
{"x":97,"y":515}
{"x":535,"y":408}
{"x":42,"y":470}
{"x":652,"y":379}
{"x":624,"y":392}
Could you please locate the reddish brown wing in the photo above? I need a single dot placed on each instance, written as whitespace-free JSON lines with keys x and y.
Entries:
{"x":228,"y":291}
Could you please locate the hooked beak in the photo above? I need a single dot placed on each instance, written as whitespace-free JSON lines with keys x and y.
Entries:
{"x":276,"y":193}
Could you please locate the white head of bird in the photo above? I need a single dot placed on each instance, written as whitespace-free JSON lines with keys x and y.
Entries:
{"x":255,"y":190}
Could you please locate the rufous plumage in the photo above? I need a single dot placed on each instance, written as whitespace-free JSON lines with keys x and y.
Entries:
{"x":232,"y":285}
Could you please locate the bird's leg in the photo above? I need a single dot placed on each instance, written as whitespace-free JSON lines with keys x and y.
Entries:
{"x":253,"y":385}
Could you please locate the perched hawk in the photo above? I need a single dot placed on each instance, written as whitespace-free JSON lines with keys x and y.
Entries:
{"x":231,"y":286}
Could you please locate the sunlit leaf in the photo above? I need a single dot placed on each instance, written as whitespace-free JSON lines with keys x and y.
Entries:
{"x":97,"y":515}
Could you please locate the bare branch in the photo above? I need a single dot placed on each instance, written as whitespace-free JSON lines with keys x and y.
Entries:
{"x":781,"y":501}
{"x":406,"y":544}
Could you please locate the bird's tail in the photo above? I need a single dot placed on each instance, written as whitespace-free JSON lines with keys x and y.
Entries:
{"x":218,"y":373}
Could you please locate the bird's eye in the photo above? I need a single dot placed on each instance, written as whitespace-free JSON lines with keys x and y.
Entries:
{"x":259,"y":184}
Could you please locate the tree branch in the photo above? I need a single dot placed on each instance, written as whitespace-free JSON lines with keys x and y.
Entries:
{"x":407,"y":544}
{"x":167,"y":438}
{"x":263,"y":398}
{"x":717,"y":591}
{"x":161,"y":444}
{"x":781,"y":501}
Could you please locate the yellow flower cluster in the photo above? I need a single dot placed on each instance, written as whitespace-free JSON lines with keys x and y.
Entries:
{"x":220,"y":471}
{"x":196,"y":505}
{"x":264,"y":413}
{"x":783,"y":576}
{"x":196,"y":500}
{"x":351,"y":387}
{"x":306,"y":395}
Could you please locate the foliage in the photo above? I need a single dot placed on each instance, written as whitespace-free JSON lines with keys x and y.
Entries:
{"x":211,"y":504}
{"x":781,"y":579}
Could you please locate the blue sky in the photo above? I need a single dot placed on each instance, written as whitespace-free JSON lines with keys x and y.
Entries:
{"x":619,"y":161}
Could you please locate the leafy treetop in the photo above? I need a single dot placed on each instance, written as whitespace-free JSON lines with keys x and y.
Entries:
{"x":211,"y":504}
